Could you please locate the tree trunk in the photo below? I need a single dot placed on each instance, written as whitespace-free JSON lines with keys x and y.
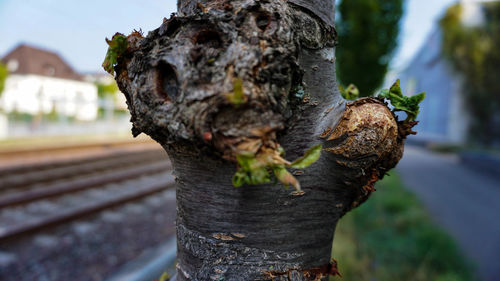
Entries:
{"x":222,"y":75}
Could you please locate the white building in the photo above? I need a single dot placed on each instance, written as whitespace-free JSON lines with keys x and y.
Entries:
{"x":118,"y":100}
{"x":40,"y":81}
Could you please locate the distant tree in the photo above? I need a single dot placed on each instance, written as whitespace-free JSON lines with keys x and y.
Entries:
{"x":107,"y":90}
{"x":3,"y":76}
{"x":367,"y":32}
{"x":473,"y":51}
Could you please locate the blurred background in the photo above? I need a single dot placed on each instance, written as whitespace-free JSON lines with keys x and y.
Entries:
{"x":80,"y":199}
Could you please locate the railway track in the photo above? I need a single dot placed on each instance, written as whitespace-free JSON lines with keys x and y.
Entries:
{"x":40,"y":174}
{"x":43,"y":195}
{"x":70,"y":147}
{"x":47,"y":165}
{"x":22,"y":156}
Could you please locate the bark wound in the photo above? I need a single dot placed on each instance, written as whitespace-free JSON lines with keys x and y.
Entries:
{"x":366,"y":144}
{"x":316,"y":273}
{"x":179,"y":77}
{"x":167,"y":86}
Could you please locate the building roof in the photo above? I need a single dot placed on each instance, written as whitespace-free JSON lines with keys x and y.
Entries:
{"x":25,"y":59}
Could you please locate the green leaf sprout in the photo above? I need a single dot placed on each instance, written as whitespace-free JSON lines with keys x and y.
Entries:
{"x":251,"y":171}
{"x":164,"y":277}
{"x":117,"y":46}
{"x":255,"y":168}
{"x":311,"y":156}
{"x":410,"y":105}
{"x":351,"y":93}
{"x":237,"y":97}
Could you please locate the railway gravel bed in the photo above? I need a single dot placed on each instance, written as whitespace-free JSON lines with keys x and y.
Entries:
{"x":33,"y":216}
{"x":92,"y":248}
{"x":82,"y":219}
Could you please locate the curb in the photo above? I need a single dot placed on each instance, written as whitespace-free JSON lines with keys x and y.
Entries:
{"x":150,"y":265}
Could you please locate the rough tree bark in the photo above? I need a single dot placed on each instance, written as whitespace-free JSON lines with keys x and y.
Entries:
{"x":222,"y":77}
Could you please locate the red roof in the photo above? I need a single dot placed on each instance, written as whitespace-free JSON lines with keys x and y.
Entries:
{"x":32,"y":60}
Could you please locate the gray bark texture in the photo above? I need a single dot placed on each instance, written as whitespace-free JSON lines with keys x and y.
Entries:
{"x":181,"y":82}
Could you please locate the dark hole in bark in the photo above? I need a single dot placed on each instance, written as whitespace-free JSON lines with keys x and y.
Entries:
{"x":172,"y":26}
{"x":263,"y":20}
{"x":208,"y":38}
{"x":166,"y":82}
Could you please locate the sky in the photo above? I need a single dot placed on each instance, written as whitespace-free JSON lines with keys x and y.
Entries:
{"x":76,"y":29}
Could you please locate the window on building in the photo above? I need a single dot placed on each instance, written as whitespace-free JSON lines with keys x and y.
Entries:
{"x":12,"y":65}
{"x":49,"y":70}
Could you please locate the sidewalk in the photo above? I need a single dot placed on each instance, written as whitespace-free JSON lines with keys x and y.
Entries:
{"x":463,"y":201}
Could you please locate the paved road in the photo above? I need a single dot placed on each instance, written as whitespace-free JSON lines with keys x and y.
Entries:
{"x":463,"y":201}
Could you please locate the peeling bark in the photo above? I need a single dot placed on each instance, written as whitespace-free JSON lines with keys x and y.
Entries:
{"x":223,"y":76}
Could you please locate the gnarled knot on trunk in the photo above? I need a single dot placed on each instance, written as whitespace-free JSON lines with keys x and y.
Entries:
{"x":366,"y":143}
{"x":222,"y":76}
{"x":225,"y":76}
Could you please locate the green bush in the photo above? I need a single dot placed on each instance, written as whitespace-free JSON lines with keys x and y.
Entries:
{"x":392,"y":238}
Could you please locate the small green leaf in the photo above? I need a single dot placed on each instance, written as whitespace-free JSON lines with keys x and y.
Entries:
{"x":245,"y":161}
{"x":117,"y":46}
{"x":311,"y":156}
{"x":351,"y":93}
{"x":396,"y":89}
{"x":384,"y":93}
{"x":286,"y":178}
{"x":164,"y":277}
{"x":251,"y":171}
{"x":410,"y":105}
{"x":255,"y":170}
{"x":418,"y":98}
{"x":237,"y":97}
{"x":240,"y":178}
{"x":259,"y":176}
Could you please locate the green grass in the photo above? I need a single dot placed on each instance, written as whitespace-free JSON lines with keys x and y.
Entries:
{"x":454,"y":149}
{"x":446,"y":148}
{"x":392,"y":238}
